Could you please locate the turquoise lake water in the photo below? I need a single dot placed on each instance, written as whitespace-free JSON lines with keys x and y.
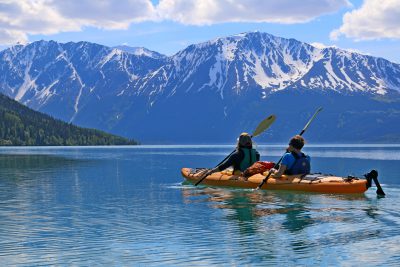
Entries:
{"x":127,"y":206}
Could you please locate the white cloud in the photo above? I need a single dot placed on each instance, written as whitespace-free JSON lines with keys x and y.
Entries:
{"x":19,"y":18}
{"x":9,"y":37}
{"x":200,"y":12}
{"x":109,"y":14}
{"x":375,"y":19}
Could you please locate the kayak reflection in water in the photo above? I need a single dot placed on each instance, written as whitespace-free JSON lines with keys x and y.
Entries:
{"x":294,"y":161}
{"x":243,"y":157}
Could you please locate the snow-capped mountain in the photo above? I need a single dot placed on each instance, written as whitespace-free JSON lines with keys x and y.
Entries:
{"x":140,"y":51}
{"x":62,"y":79}
{"x":239,"y":63}
{"x":207,"y":91}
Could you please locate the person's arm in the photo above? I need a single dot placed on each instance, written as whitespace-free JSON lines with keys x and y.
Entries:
{"x":278,"y":173}
{"x":257,"y":156}
{"x":287,"y":160}
{"x":235,"y":157}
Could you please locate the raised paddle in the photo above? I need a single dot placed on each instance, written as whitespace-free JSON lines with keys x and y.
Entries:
{"x":277,"y":164}
{"x":262,"y":126}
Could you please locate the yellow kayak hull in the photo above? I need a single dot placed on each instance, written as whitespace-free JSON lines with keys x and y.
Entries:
{"x":319,"y":183}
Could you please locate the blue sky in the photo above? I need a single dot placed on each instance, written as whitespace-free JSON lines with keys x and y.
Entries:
{"x":167,"y":26}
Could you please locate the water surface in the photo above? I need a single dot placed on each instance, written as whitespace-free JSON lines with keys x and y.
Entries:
{"x":128,"y":206}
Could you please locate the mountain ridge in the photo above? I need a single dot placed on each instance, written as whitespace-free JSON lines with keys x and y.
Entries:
{"x":127,"y":93}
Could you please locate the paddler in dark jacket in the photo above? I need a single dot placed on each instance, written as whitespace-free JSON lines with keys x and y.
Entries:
{"x":244,"y":156}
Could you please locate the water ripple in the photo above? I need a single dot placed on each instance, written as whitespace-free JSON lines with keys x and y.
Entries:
{"x":84,"y":207}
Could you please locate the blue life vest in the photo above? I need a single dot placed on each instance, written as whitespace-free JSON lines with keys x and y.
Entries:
{"x":300,"y":166}
{"x":248,"y":159}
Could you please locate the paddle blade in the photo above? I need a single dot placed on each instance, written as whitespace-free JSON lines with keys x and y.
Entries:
{"x":265,"y":124}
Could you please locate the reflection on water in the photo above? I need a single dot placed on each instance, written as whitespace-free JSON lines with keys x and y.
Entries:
{"x":127,"y":206}
{"x":246,"y":205}
{"x":304,"y":223}
{"x":22,"y":162}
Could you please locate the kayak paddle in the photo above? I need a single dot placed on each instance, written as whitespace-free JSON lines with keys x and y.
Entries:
{"x":277,"y":164}
{"x":261,"y":127}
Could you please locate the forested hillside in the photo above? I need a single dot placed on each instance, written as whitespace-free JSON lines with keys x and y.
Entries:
{"x":21,"y":126}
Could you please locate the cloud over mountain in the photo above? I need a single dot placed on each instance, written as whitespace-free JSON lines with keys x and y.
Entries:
{"x":110,"y":14}
{"x":21,"y":18}
{"x":210,"y":12}
{"x":374,"y":20}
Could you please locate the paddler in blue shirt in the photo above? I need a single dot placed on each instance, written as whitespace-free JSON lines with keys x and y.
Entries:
{"x":294,"y":161}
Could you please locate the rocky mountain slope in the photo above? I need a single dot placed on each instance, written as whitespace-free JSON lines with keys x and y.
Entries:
{"x":209,"y":92}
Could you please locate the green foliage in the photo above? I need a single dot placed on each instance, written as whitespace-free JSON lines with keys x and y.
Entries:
{"x":21,"y":126}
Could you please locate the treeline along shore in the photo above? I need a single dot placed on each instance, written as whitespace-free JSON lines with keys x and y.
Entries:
{"x":22,"y":126}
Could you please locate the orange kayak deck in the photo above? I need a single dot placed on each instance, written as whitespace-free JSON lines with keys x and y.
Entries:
{"x":319,"y":183}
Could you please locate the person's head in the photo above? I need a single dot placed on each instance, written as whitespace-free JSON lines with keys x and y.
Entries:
{"x":297,"y":142}
{"x":244,"y":140}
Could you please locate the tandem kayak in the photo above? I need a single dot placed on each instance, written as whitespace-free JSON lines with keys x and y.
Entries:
{"x":319,"y":183}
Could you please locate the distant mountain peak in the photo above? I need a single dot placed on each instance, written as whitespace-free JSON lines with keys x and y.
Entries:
{"x":140,"y":51}
{"x":275,"y":63}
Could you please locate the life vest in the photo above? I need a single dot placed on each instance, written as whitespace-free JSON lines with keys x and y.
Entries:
{"x":300,"y":166}
{"x":249,"y":158}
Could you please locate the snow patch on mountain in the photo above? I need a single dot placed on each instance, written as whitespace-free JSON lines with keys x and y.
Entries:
{"x":140,"y":51}
{"x":261,"y":77}
{"x":28,"y":83}
{"x":113,"y":54}
{"x":46,"y":93}
{"x":228,"y":49}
